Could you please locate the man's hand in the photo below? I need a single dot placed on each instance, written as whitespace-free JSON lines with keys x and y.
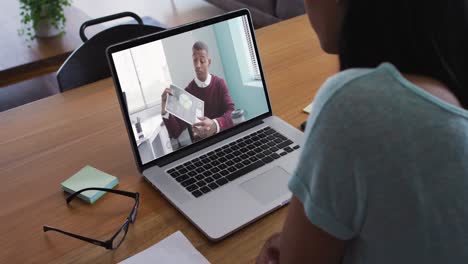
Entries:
{"x":270,"y":251}
{"x":164,"y":100}
{"x":205,"y":128}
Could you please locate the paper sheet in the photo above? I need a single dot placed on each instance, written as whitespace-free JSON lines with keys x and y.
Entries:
{"x":184,"y":105}
{"x":175,"y":248}
{"x":308,"y":108}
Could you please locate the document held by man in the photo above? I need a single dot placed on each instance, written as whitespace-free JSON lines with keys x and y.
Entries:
{"x":184,"y":105}
{"x":175,"y":248}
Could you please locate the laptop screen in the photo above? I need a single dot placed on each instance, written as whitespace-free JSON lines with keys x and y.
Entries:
{"x":187,"y":87}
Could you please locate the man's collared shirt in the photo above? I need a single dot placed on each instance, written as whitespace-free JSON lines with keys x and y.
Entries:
{"x":204,"y":84}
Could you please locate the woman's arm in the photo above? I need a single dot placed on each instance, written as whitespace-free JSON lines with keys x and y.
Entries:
{"x":301,"y":241}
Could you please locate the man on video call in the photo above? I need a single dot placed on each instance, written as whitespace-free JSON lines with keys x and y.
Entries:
{"x":209,"y":88}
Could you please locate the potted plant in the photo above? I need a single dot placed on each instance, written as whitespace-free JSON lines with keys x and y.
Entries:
{"x":42,"y":18}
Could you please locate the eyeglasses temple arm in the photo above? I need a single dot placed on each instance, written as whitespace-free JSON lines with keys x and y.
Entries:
{"x":87,"y":239}
{"x":129,"y":194}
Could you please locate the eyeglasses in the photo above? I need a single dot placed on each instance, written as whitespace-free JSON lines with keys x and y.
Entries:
{"x":115,"y":241}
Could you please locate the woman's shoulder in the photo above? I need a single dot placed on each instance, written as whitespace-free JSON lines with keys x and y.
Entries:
{"x":359,"y":98}
{"x":359,"y":86}
{"x":355,"y":79}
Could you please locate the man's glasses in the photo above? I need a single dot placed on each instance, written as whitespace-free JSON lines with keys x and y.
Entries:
{"x":115,"y":241}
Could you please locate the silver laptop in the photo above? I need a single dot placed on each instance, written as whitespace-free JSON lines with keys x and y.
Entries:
{"x":196,"y":107}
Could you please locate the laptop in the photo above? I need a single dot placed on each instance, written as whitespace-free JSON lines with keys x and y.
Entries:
{"x":212,"y":148}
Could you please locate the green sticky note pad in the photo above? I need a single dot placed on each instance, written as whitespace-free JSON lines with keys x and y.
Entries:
{"x":89,"y":177}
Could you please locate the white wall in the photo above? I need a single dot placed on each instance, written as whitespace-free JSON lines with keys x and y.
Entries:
{"x":178,"y":50}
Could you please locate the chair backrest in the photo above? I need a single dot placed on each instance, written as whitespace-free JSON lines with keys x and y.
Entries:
{"x":88,"y":63}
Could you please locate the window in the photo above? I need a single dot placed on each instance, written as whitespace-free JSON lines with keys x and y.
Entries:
{"x":253,"y":58}
{"x":143,"y":75}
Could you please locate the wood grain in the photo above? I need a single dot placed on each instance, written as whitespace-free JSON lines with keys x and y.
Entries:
{"x":43,"y":143}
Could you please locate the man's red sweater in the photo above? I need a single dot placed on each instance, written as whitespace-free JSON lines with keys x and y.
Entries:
{"x":218,"y":105}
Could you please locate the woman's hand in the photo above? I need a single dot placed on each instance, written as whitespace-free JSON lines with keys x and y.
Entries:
{"x":301,"y":241}
{"x":270,"y":251}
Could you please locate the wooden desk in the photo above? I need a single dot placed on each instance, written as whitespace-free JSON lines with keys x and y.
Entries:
{"x":18,"y":61}
{"x":43,"y":143}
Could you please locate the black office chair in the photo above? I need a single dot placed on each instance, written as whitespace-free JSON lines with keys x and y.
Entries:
{"x":88,"y":63}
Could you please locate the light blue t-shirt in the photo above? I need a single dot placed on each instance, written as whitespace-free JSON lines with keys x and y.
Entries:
{"x":385,"y":165}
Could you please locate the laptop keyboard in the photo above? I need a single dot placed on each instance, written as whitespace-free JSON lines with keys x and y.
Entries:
{"x":231,"y":161}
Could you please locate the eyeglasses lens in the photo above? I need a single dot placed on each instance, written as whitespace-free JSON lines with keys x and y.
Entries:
{"x":120,"y":237}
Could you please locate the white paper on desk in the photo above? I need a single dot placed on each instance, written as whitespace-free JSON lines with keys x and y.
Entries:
{"x":175,"y":248}
{"x":308,"y":108}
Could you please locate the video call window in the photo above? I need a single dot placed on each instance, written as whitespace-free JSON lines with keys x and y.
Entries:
{"x":187,"y":87}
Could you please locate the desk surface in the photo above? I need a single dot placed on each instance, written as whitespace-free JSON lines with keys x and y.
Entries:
{"x":43,"y":143}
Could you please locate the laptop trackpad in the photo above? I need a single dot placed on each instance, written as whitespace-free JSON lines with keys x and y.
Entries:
{"x":268,"y":186}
